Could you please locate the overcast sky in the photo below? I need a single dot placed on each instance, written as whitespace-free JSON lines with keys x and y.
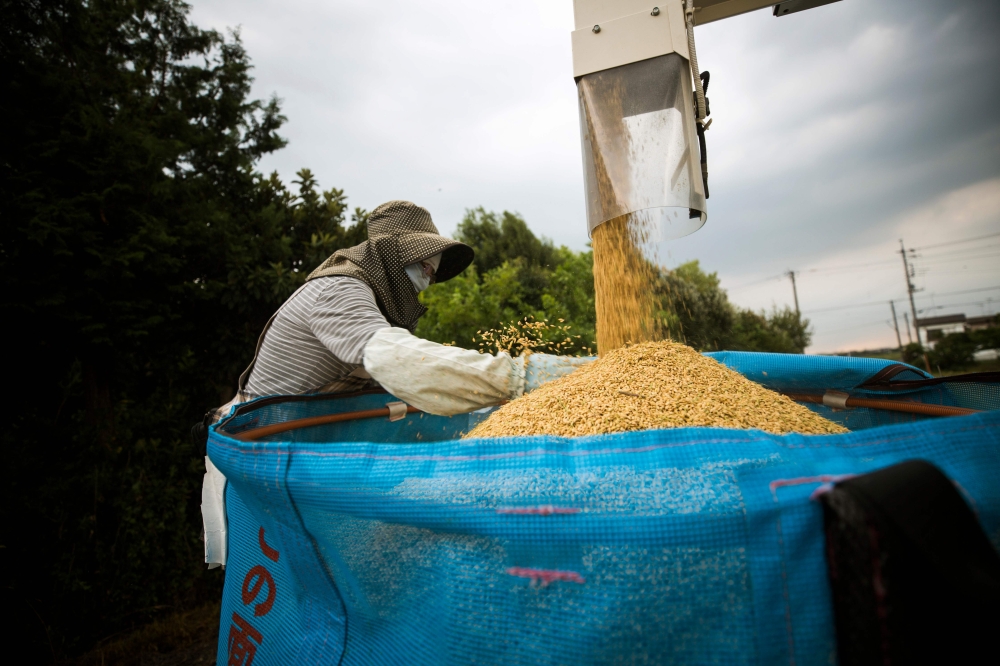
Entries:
{"x":837,"y":131}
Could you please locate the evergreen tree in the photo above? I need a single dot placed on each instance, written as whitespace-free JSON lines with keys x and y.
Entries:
{"x":141,"y":255}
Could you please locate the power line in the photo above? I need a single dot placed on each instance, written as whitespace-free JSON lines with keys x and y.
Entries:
{"x":846,"y":307}
{"x":756,"y":282}
{"x":954,"y":305}
{"x":993,"y":245}
{"x":871,"y":303}
{"x":892,"y":262}
{"x":964,"y":240}
{"x":846,"y":267}
{"x":942,"y":260}
{"x":964,"y":271}
{"x":872,"y":322}
{"x":944,"y":257}
{"x":964,"y":291}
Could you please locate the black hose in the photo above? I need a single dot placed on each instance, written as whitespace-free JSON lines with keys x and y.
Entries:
{"x":705,"y":78}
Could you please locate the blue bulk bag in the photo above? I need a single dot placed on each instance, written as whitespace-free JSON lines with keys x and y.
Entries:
{"x":395,"y":542}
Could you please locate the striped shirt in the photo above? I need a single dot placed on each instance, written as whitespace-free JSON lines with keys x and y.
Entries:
{"x":317,"y":340}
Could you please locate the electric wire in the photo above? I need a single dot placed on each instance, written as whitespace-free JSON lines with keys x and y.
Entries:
{"x":956,"y":242}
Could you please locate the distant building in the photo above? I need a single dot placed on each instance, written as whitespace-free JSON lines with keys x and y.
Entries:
{"x":979,"y":323}
{"x":936,"y":328}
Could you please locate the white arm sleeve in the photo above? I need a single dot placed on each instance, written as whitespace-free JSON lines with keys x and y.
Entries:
{"x":439,"y":379}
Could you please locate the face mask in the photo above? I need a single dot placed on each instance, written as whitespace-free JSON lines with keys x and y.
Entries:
{"x":417,"y":276}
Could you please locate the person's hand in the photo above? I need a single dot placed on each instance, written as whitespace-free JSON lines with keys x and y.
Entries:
{"x":542,"y":368}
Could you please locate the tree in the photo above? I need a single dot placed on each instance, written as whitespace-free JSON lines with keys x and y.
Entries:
{"x":515,"y":275}
{"x":500,"y":237}
{"x":693,"y":308}
{"x":696,"y":310}
{"x":953,"y":351}
{"x":782,"y":331}
{"x":141,"y":255}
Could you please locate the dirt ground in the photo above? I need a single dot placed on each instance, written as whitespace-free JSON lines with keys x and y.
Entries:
{"x":189,"y":638}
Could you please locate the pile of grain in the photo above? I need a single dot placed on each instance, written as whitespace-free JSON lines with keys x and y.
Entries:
{"x":650,"y":385}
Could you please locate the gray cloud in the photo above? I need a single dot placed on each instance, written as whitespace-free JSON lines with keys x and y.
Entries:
{"x":836,"y":131}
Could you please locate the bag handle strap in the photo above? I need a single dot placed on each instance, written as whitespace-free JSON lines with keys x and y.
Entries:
{"x":882,"y":379}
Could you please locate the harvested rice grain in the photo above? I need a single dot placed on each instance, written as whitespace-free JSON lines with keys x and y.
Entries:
{"x":646,"y":386}
{"x":624,"y":286}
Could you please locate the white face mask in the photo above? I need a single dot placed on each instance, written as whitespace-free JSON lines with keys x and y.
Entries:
{"x":419,"y":275}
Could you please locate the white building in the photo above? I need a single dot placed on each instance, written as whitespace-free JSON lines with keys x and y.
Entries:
{"x":935,"y":328}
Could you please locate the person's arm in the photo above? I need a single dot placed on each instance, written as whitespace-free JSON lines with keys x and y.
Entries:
{"x":434,"y":378}
{"x":440,"y":379}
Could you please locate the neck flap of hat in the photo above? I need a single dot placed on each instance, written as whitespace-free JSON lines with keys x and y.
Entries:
{"x":380,"y":260}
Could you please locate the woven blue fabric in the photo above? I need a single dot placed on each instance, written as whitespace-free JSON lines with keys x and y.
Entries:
{"x":388,"y":543}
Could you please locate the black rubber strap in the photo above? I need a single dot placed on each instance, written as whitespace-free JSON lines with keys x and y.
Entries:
{"x":883,"y":379}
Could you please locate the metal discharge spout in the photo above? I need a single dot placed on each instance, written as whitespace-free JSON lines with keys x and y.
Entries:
{"x":643,"y":182}
{"x":641,"y":156}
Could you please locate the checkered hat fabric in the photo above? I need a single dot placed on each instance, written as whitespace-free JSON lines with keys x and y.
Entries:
{"x":400,"y":233}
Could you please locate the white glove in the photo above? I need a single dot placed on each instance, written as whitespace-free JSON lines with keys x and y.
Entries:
{"x":542,"y":368}
{"x":439,"y":379}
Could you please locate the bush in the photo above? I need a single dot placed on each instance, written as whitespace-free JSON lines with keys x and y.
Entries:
{"x":987,"y":338}
{"x":913,"y":353}
{"x":953,"y":351}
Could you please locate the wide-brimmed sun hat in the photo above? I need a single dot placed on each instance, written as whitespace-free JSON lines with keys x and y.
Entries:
{"x":399,"y":233}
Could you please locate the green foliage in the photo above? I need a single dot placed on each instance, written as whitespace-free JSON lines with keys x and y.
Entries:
{"x":515,"y":275}
{"x":956,"y":350}
{"x":499,"y":238}
{"x":695,"y":310}
{"x":141,"y":255}
{"x":781,"y":331}
{"x":953,"y":351}
{"x":987,"y":338}
{"x":913,"y":353}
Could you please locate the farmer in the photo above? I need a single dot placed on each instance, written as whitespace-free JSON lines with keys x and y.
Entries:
{"x":349,"y":326}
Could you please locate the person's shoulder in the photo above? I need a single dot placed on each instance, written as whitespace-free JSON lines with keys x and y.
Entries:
{"x":340,"y":283}
{"x":344,"y":286}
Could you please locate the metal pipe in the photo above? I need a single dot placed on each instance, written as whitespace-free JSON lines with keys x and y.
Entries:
{"x":285,"y":426}
{"x":890,"y":405}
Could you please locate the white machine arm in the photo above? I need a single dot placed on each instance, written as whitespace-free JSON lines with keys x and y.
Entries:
{"x":707,"y":11}
{"x":609,"y":33}
{"x":642,"y":126}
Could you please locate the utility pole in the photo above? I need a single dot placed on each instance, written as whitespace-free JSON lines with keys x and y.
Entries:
{"x":906,"y":320}
{"x":909,"y":287}
{"x":795,"y":292}
{"x":895,"y":324}
{"x":913,"y":308}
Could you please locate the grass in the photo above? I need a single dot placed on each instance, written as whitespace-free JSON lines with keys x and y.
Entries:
{"x":981,"y":366}
{"x":186,"y":638}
